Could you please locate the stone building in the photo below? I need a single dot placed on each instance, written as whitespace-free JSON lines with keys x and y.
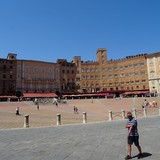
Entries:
{"x":8,"y":75}
{"x":153,"y":63}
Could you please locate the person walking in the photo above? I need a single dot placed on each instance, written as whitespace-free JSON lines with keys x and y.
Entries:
{"x":17,"y":111}
{"x":133,"y":136}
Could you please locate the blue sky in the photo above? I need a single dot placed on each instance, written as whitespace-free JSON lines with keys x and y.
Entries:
{"x":50,"y":29}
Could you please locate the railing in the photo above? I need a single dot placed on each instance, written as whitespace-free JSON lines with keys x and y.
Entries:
{"x":136,"y":113}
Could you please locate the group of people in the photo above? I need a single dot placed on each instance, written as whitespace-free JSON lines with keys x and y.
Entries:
{"x":147,"y":104}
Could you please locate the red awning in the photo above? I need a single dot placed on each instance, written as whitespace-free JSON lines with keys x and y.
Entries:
{"x":136,"y":92}
{"x":5,"y":96}
{"x":36,"y":95}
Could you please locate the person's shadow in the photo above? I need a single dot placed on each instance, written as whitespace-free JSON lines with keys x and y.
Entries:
{"x":144,"y":155}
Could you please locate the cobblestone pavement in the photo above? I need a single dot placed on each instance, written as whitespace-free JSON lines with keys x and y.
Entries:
{"x":97,"y":110}
{"x":93,"y":141}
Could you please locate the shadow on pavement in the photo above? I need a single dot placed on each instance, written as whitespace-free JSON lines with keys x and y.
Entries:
{"x":144,"y":155}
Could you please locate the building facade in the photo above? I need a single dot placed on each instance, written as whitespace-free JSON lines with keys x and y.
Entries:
{"x":153,"y":63}
{"x":37,"y":76}
{"x":8,"y":75}
{"x":139,"y":72}
{"x":129,"y":73}
{"x":67,"y":76}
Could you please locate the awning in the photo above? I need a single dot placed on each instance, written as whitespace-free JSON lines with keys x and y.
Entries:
{"x":136,"y":92}
{"x":5,"y":96}
{"x":38,"y":95}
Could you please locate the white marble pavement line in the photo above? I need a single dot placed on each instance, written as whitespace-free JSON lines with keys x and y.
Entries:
{"x":96,"y":141}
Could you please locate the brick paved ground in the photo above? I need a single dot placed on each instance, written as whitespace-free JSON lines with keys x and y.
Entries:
{"x":46,"y":116}
{"x":94,"y":141}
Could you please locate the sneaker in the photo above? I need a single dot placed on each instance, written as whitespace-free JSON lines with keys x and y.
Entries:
{"x":128,"y":157}
{"x":139,"y":155}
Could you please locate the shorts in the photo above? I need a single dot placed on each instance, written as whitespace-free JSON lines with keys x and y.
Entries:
{"x":133,"y":139}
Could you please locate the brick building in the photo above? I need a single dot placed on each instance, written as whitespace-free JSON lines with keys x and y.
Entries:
{"x":137,"y":73}
{"x":8,"y":75}
{"x":129,"y":73}
{"x":37,"y":76}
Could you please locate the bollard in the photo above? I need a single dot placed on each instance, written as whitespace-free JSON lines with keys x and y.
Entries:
{"x":145,"y":112}
{"x":26,"y":121}
{"x":58,"y":119}
{"x":110,"y":115}
{"x":84,"y":117}
{"x":134,"y":113}
{"x":123,"y":114}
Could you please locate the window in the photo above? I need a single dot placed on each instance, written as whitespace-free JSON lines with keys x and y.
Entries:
{"x":4,"y":67}
{"x":127,"y":83}
{"x":27,"y":76}
{"x":103,"y":69}
{"x":150,"y":60}
{"x":92,"y":77}
{"x":121,"y":67}
{"x":141,"y":64}
{"x":19,"y":76}
{"x":130,"y":74}
{"x":109,"y":68}
{"x":87,"y":77}
{"x":127,"y":74}
{"x":110,"y":76}
{"x":151,"y":68}
{"x":142,"y":72}
{"x":27,"y":68}
{"x":143,"y":81}
{"x":115,"y":68}
{"x":19,"y":68}
{"x":126,"y":67}
{"x":103,"y":76}
{"x":96,"y":69}
{"x":137,"y":81}
{"x":83,"y":77}
{"x":35,"y":69}
{"x":121,"y":75}
{"x":130,"y":66}
{"x":136,"y":65}
{"x":131,"y":82}
{"x":115,"y":76}
{"x":87,"y":69}
{"x":96,"y":77}
{"x":136,"y":73}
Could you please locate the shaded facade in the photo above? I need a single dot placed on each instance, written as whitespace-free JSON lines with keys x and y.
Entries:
{"x":8,"y":75}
